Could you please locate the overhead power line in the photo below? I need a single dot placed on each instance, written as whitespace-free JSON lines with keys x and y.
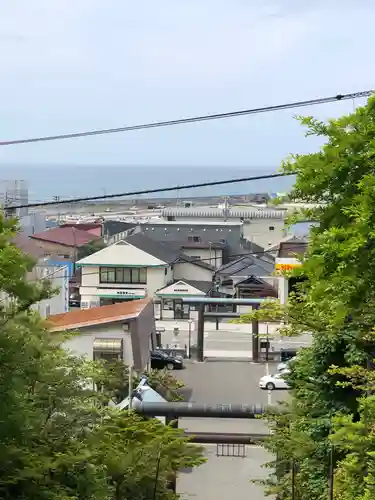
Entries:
{"x":183,"y":121}
{"x":151,"y":191}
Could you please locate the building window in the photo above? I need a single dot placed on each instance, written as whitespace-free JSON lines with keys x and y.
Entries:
{"x":272,"y":228}
{"x":108,"y":349}
{"x":194,"y":239}
{"x":48,"y":310}
{"x":123,"y":275}
{"x":165,"y":271}
{"x":168,"y":305}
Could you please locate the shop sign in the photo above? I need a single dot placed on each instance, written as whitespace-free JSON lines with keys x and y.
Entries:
{"x":285,"y":265}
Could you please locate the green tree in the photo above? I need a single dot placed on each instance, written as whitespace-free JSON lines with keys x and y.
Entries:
{"x":58,"y":438}
{"x":335,"y":304}
{"x":113,"y":377}
{"x":90,"y":248}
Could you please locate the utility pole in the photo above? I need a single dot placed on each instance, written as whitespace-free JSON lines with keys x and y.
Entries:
{"x":255,"y":337}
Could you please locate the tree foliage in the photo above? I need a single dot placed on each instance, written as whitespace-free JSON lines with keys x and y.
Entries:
{"x":58,"y":438}
{"x":113,"y":377}
{"x":332,"y":408}
{"x":90,"y":248}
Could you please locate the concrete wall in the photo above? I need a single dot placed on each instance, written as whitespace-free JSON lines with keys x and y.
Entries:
{"x":180,"y":232}
{"x":82,"y":344}
{"x":258,"y":231}
{"x":186,"y":270}
{"x":283,"y":289}
{"x":213,"y":256}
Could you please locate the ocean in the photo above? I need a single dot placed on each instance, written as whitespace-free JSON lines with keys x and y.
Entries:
{"x":69,"y":181}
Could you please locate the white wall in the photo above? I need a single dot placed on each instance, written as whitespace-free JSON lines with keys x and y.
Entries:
{"x":82,"y":344}
{"x":59,"y":278}
{"x":157,"y":278}
{"x":283,"y":289}
{"x":258,"y":231}
{"x":213,"y":257}
{"x":186,"y":270}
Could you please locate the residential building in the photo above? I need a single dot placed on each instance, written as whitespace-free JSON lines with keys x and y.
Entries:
{"x":213,"y":253}
{"x":57,"y":275}
{"x":123,"y":272}
{"x":123,"y":331}
{"x":168,"y":301}
{"x":249,"y":276}
{"x":62,"y":243}
{"x":140,"y":267}
{"x":263,"y":226}
{"x":59,"y":279}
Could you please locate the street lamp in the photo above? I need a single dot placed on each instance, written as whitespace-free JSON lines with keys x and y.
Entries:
{"x":190,"y":321}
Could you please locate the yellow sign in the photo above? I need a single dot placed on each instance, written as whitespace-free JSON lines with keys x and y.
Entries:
{"x":282,"y":267}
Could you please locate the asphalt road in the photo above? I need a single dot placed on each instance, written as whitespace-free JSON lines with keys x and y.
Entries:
{"x":215,"y":382}
{"x":230,"y":341}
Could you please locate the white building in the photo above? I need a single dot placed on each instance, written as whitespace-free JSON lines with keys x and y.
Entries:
{"x":141,"y":267}
{"x":134,"y":269}
{"x":124,"y":331}
{"x":59,"y":279}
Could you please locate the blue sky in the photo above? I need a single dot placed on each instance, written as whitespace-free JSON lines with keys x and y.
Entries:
{"x":73,"y":65}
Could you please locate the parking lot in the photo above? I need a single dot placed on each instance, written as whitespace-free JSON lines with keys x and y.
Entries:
{"x":231,"y":382}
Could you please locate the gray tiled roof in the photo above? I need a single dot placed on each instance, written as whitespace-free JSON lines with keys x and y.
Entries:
{"x":247,"y":265}
{"x":204,"y":286}
{"x":163,"y":251}
{"x":168,"y":252}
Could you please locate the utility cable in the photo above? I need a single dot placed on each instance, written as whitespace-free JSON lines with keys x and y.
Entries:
{"x":195,"y":119}
{"x":150,"y":191}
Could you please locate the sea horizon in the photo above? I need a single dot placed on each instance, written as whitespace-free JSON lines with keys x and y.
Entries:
{"x":68,"y":180}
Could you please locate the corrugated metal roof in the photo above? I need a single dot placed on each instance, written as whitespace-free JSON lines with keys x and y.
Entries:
{"x":67,"y":236}
{"x":97,"y":315}
{"x":206,"y":212}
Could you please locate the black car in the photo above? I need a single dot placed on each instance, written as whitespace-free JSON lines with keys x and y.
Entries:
{"x":160,"y":360}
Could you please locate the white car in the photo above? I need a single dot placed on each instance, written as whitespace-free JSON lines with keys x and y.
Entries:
{"x":271,"y":382}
